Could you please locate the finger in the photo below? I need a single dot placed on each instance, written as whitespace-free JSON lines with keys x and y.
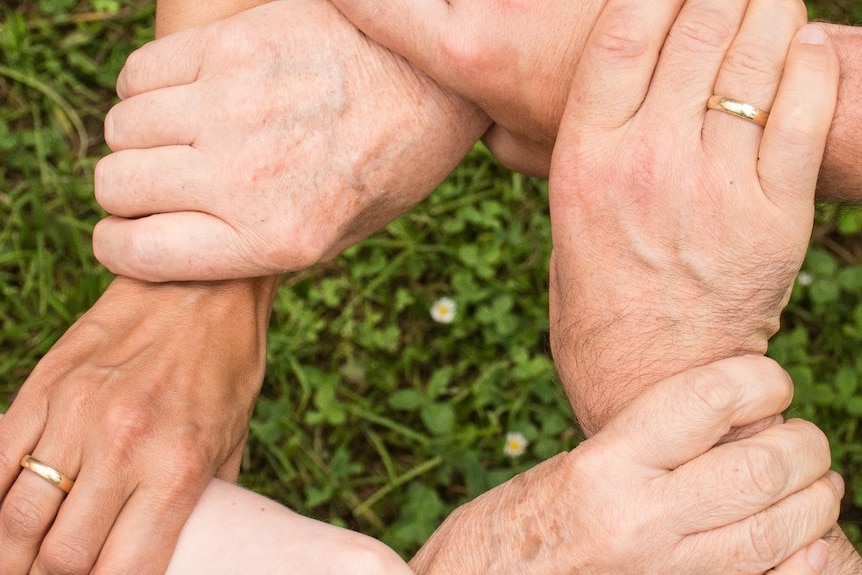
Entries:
{"x":737,"y":480}
{"x":171,"y":61}
{"x":20,"y":428}
{"x":618,"y":61}
{"x":414,"y":30}
{"x":23,"y":521}
{"x":146,"y":532}
{"x":29,"y":509}
{"x":182,"y":246}
{"x":809,"y":560}
{"x":136,"y":183}
{"x":757,"y":543}
{"x":692,"y":56}
{"x":67,"y":548}
{"x":751,"y":73}
{"x":157,"y":118}
{"x":795,"y":135}
{"x":685,"y":415}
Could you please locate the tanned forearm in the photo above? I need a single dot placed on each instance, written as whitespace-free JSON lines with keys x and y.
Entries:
{"x":841,"y":176}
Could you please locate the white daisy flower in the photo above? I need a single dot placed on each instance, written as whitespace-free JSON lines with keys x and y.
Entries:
{"x":804,"y":279}
{"x":443,"y":310}
{"x":516,"y":444}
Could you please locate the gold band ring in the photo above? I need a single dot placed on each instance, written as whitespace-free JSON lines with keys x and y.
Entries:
{"x":738,"y":109}
{"x":47,"y":473}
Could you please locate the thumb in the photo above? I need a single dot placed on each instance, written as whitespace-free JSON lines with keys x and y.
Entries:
{"x":176,"y":246}
{"x":809,"y":560}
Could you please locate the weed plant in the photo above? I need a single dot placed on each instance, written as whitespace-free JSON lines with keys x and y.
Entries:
{"x":373,"y":415}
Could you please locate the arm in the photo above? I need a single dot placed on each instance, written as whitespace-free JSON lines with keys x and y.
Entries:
{"x":279,"y":138}
{"x":233,"y":530}
{"x":841,"y":177}
{"x":519,"y":73}
{"x":144,"y":399}
{"x":701,"y":223}
{"x":651,"y":494}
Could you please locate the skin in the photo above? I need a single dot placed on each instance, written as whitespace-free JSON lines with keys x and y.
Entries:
{"x":690,"y":515}
{"x":517,"y":74}
{"x":664,"y":468}
{"x":520,"y":74}
{"x":148,"y":396}
{"x":110,"y":554}
{"x":616,"y":325}
{"x":388,"y":134}
{"x":144,"y":400}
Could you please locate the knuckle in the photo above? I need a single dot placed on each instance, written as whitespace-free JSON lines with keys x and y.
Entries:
{"x":623,"y":38}
{"x":67,"y":556}
{"x":101,"y":182}
{"x":23,"y":520}
{"x":711,"y":392}
{"x":765,"y":471}
{"x":797,"y":128}
{"x":703,"y":29}
{"x":8,"y":460}
{"x":142,"y":250}
{"x":766,"y":540}
{"x":794,"y":11}
{"x":814,"y":441}
{"x":126,"y":425}
{"x":288,"y":255}
{"x":757,"y":65}
{"x":101,"y":249}
{"x":192,"y":466}
{"x":110,"y":128}
{"x":129,"y":80}
{"x":464,"y":54}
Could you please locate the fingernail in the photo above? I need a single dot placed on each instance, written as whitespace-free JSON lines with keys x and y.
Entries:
{"x":837,"y":481}
{"x":818,"y":554}
{"x":811,"y":34}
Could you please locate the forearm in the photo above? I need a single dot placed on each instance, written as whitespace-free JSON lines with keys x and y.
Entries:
{"x":841,"y":176}
{"x":175,"y":15}
{"x":233,"y":530}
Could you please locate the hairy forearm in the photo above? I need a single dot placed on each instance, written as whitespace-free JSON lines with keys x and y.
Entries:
{"x":841,"y":176}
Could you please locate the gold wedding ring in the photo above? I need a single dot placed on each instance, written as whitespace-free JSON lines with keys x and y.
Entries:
{"x":47,"y":473}
{"x":738,"y":109}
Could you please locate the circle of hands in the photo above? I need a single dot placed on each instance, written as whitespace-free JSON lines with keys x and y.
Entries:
{"x":272,"y":140}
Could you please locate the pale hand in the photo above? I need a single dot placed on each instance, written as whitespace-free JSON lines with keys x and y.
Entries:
{"x":265,"y":143}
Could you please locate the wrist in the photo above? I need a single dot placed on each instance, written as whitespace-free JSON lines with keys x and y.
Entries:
{"x":604,"y":364}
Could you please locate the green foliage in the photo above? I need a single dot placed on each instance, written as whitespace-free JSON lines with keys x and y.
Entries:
{"x":373,"y":416}
{"x":821,"y":339}
{"x":373,"y":375}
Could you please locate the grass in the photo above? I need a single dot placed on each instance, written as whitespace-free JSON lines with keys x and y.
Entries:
{"x":373,"y":416}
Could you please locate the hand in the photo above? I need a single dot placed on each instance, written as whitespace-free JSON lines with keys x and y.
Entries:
{"x":651,"y":494}
{"x":515,"y":60}
{"x":143,"y":400}
{"x":235,"y":531}
{"x":265,"y":143}
{"x":678,"y":231}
